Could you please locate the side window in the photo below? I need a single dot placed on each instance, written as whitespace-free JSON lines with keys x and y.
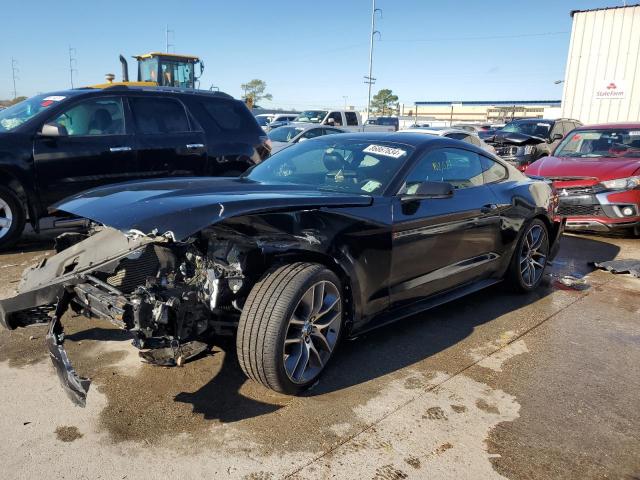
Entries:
{"x":458,"y":136}
{"x":568,"y":126}
{"x":98,"y":116}
{"x":461,"y":168}
{"x":492,"y":170}
{"x":336,"y":117}
{"x":352,"y":118}
{"x":312,"y":133}
{"x":155,"y":116}
{"x":329,"y":131}
{"x":227,"y":116}
{"x":557,"y":128}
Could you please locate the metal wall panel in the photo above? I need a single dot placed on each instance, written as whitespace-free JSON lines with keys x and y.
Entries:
{"x":604,"y":48}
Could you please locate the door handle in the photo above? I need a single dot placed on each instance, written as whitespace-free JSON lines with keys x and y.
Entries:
{"x":490,"y":207}
{"x":119,"y":149}
{"x":193,"y":146}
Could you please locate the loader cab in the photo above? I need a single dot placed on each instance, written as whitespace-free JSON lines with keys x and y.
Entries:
{"x":168,"y":69}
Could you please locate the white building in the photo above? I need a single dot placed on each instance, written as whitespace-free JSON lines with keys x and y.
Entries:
{"x":602,"y":78}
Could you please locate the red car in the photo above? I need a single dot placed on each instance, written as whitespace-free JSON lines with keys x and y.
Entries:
{"x":596,"y":170}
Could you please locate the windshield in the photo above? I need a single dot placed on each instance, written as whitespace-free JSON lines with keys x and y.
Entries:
{"x":601,"y":143}
{"x":284,"y":134}
{"x":533,"y":129}
{"x":19,"y":113}
{"x":337,"y":165}
{"x":313,"y":116}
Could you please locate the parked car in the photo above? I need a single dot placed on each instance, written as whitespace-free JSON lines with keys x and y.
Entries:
{"x":269,"y":121}
{"x":288,"y":135}
{"x":524,"y":141}
{"x":456,"y":134}
{"x":393,"y":121}
{"x":472,"y":127}
{"x":326,"y":239}
{"x":58,"y":144}
{"x":346,"y":119}
{"x":596,"y":170}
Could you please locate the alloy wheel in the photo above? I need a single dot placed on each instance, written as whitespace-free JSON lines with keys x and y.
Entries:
{"x":6,"y":218}
{"x":312,"y":332}
{"x":533,"y":255}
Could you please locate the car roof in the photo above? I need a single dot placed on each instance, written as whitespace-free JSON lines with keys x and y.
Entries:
{"x":612,"y":126}
{"x":138,"y":89}
{"x":536,"y":120}
{"x":406,"y":138}
{"x":441,"y":131}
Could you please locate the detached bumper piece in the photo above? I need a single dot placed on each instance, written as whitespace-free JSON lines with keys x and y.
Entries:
{"x":74,"y":386}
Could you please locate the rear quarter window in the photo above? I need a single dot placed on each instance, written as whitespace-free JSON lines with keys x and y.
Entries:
{"x":218,"y":116}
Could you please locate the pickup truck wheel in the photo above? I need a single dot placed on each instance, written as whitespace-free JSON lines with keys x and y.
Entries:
{"x":529,"y":258}
{"x":290,"y":326}
{"x":12,"y":217}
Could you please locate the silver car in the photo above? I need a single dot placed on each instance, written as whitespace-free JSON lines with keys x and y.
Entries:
{"x":456,"y":134}
{"x":282,"y":137}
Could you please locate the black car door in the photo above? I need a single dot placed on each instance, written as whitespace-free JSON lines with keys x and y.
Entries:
{"x":95,"y":147}
{"x":168,"y":142}
{"x":440,"y":243}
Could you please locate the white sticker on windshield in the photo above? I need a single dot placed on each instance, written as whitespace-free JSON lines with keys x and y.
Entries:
{"x":371,"y":186}
{"x":633,"y":133}
{"x":543,"y":125}
{"x":386,"y":151}
{"x":54,"y":98}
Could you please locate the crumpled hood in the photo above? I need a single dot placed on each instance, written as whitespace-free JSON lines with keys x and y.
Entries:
{"x":597,"y":168}
{"x":184,"y":206}
{"x":515,"y":138}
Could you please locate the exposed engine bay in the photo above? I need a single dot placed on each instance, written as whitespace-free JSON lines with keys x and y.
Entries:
{"x":172,"y":296}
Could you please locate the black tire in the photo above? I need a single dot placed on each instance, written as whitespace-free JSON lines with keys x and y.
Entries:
{"x":515,"y":278}
{"x":265,"y":323}
{"x":10,"y":208}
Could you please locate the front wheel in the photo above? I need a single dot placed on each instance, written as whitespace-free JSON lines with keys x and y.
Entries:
{"x":530,"y":257}
{"x":290,"y":326}
{"x":12,"y":217}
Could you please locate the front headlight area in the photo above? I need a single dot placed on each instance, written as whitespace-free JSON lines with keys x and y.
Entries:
{"x":627,"y":183}
{"x":528,"y":149}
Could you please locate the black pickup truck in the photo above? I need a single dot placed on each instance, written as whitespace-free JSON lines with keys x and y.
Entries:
{"x":58,"y":144}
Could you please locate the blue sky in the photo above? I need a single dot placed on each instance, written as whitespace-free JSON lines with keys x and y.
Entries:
{"x":311,"y":53}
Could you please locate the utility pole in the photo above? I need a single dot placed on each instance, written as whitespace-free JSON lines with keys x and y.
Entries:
{"x":14,"y":75}
{"x":166,"y":34}
{"x":72,"y":63}
{"x":345,"y":101}
{"x":369,"y":78}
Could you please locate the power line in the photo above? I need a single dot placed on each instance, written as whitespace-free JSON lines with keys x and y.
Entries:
{"x":72,"y":63}
{"x":14,"y":75}
{"x":487,"y":37}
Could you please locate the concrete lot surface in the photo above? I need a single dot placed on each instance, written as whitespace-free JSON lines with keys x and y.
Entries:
{"x":496,"y":385}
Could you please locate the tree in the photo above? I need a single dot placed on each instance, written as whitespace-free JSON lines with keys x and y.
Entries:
{"x":8,"y":103}
{"x":254,"y":91}
{"x":384,"y":102}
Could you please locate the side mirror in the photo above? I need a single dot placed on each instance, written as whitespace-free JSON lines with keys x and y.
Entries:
{"x":556,"y":136}
{"x":430,"y":190}
{"x":52,"y":130}
{"x":330,"y":121}
{"x":302,"y":139}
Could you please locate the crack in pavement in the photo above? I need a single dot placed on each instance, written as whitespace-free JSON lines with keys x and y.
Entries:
{"x":581,"y":296}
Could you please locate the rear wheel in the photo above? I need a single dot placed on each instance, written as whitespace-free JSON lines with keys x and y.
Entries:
{"x":290,"y":326}
{"x":12,"y":217}
{"x":530,"y":258}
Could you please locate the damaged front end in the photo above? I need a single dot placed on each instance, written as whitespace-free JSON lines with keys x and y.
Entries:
{"x":172,"y":296}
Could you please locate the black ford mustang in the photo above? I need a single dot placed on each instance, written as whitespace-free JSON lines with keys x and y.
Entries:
{"x":327,"y":238}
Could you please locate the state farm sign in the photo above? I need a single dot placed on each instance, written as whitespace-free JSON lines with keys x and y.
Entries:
{"x":610,"y":90}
